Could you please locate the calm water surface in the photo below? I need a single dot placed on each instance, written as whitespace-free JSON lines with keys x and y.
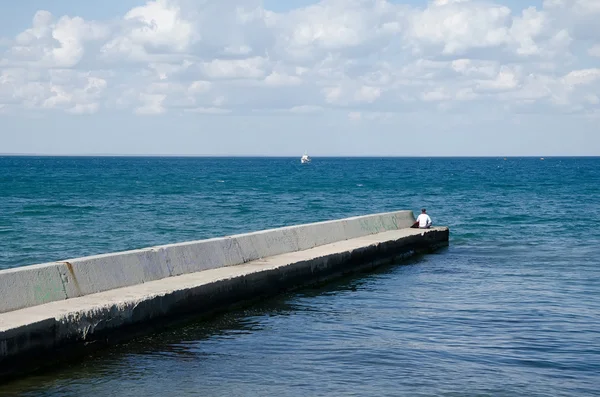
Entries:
{"x":512,"y":307}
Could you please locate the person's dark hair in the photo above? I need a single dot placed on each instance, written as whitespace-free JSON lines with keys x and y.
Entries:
{"x":423,"y":210}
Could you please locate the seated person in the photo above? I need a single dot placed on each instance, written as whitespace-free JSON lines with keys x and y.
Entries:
{"x":423,"y":221}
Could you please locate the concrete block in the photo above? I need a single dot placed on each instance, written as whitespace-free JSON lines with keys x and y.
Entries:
{"x":83,"y":276}
{"x":402,"y":220}
{"x":202,"y":255}
{"x":372,"y":225}
{"x":30,"y":286}
{"x":366,"y":225}
{"x":352,"y":228}
{"x":266,"y":243}
{"x":315,"y":234}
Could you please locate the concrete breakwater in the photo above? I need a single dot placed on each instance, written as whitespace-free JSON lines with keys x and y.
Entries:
{"x":61,"y":309}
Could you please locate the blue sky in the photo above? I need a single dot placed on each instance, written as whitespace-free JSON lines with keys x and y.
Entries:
{"x":341,"y":77}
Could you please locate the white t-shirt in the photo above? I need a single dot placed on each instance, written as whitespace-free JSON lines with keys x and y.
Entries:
{"x":424,"y":220}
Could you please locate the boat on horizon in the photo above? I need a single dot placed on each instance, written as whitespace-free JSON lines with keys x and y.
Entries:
{"x":305,"y":159}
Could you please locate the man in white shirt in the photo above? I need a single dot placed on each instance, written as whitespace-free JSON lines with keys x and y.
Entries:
{"x":424,"y":220}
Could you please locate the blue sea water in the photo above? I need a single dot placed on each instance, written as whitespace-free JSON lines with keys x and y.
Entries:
{"x":511,"y":307}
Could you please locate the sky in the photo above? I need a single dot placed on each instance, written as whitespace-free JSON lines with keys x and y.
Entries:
{"x":284,"y":77}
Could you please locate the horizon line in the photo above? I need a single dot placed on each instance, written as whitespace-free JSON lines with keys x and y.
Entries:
{"x":285,"y":156}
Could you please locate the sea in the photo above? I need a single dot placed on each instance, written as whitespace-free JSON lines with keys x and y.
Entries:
{"x":510,"y":308}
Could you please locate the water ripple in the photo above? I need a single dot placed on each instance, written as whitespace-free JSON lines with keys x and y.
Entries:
{"x":510,"y":308}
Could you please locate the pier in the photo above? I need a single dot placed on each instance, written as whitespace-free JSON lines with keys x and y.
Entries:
{"x":55,"y":311}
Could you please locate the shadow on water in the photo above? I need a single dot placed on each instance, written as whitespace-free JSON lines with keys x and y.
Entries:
{"x":179,"y":341}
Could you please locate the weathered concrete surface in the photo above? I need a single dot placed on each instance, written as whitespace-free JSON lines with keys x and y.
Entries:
{"x":83,"y":304}
{"x":35,"y":285}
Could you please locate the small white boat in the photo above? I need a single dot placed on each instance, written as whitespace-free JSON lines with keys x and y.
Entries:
{"x":305,"y":159}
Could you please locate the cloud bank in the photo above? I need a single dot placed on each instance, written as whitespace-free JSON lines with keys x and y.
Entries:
{"x":369,"y":58}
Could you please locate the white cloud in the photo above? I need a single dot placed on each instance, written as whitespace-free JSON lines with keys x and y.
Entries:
{"x":156,"y":28}
{"x":349,"y":26}
{"x":249,"y":68}
{"x":199,"y":87}
{"x":507,"y":79}
{"x":364,"y":57}
{"x":367,"y":94}
{"x":475,"y":68}
{"x":50,"y":44}
{"x":282,"y":79}
{"x":151,"y":104}
{"x":68,"y":90}
{"x":582,"y":77}
{"x":594,"y":50}
{"x":456,"y":27}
